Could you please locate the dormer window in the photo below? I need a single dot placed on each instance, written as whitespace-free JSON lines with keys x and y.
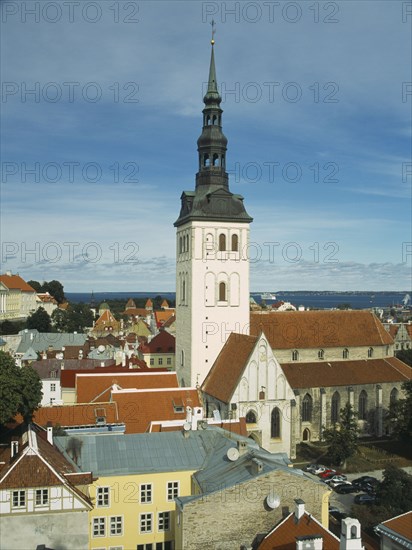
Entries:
{"x":345,"y":353}
{"x":370,"y":352}
{"x":295,"y":355}
{"x":321,"y":354}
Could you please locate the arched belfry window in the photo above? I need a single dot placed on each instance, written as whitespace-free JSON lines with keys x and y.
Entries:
{"x":215,"y":159}
{"x":223,"y":161}
{"x":208,"y":121}
{"x":307,"y":405}
{"x":180,"y":245}
{"x":235,"y":243}
{"x":275,"y":423}
{"x":206,"y":160}
{"x":335,"y":407}
{"x":251,"y":417}
{"x":184,"y":291}
{"x":214,"y":119}
{"x":187,"y":243}
{"x":363,"y":405}
{"x":222,"y":242}
{"x":222,"y":292}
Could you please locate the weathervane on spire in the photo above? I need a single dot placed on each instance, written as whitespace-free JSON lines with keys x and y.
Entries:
{"x":213,"y":31}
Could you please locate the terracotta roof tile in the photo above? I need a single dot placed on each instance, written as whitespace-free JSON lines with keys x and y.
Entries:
{"x":68,"y":377}
{"x":164,"y":342}
{"x":139,"y":408}
{"x":136,"y":311}
{"x":312,"y":329}
{"x":346,"y":373}
{"x":15,"y":282}
{"x":91,"y":386}
{"x":227,"y":370}
{"x":163,"y":316}
{"x":76,"y":415}
{"x":401,"y":524}
{"x":283,"y":536}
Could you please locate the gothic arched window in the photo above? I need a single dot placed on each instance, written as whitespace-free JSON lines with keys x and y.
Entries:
{"x":250,"y":417}
{"x":307,"y":406}
{"x":345,"y":353}
{"x":222,"y":292}
{"x":335,"y":407}
{"x":370,"y":352}
{"x":235,"y":243}
{"x":275,"y":423}
{"x":321,"y":354}
{"x":295,"y":355}
{"x":363,"y":405}
{"x":394,"y":396}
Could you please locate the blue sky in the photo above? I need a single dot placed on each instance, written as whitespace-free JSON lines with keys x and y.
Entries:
{"x":317,"y":109}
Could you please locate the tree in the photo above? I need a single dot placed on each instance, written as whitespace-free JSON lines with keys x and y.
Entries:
{"x":342,"y":438}
{"x":20,"y":390}
{"x":55,"y":288}
{"x":75,"y":318}
{"x":35,"y":285}
{"x":11,"y":327}
{"x":395,"y":491}
{"x":40,"y":320}
{"x":400,"y":414}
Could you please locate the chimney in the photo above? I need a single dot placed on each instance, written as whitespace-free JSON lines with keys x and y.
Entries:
{"x":189,"y":414}
{"x":299,"y":509}
{"x":257,"y":466}
{"x":197,"y":415}
{"x":14,"y":447}
{"x":309,"y":542}
{"x":350,"y":537}
{"x":242,"y":447}
{"x":50,"y":433}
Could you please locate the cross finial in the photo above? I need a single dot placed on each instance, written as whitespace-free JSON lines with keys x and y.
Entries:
{"x":213,"y":31}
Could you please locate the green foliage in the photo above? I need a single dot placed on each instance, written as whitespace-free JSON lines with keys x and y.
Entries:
{"x":342,"y":438}
{"x":11,"y":327}
{"x":55,"y":288}
{"x":344,"y":305}
{"x":395,"y":491}
{"x":20,"y":389}
{"x":75,"y":318}
{"x":400,"y":414}
{"x":369,"y":516}
{"x":40,"y":320}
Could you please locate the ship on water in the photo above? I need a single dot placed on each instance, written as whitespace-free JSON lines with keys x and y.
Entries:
{"x":268,"y":297}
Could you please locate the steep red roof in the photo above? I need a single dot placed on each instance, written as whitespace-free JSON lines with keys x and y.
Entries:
{"x":68,"y":377}
{"x":15,"y":282}
{"x":164,"y":342}
{"x":284,"y":535}
{"x":228,"y":367}
{"x":346,"y":373}
{"x":313,"y":329}
{"x":163,"y":316}
{"x":401,"y":524}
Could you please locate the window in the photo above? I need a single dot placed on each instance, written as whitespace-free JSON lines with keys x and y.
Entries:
{"x":172,"y":490}
{"x":160,"y":361}
{"x":146,"y":493}
{"x":307,"y":408}
{"x":146,"y":522}
{"x":116,"y":525}
{"x":53,"y":374}
{"x":152,"y":360}
{"x":19,"y":499}
{"x":345,"y":353}
{"x":235,"y":243}
{"x":169,"y":361}
{"x":167,"y":545}
{"x":295,"y":355}
{"x":99,"y":527}
{"x":370,"y":352}
{"x":222,"y":242}
{"x":394,"y":396}
{"x":103,"y":496}
{"x":42,"y":497}
{"x":145,"y":547}
{"x":222,"y":292}
{"x":52,"y":387}
{"x":250,"y":417}
{"x":335,"y":407}
{"x":275,"y":423}
{"x":163,"y":521}
{"x":321,"y":354}
{"x":363,"y":405}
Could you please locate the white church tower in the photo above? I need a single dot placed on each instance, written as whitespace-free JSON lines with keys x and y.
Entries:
{"x":212,"y":266}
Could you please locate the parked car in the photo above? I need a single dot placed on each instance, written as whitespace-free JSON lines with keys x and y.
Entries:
{"x":335,"y":477}
{"x":345,"y":488}
{"x":327,"y":472}
{"x":338,"y":483}
{"x":359,"y":481}
{"x":315,"y":468}
{"x":363,"y":498}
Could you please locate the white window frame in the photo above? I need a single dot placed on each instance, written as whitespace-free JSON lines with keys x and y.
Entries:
{"x":146,"y":493}
{"x":171,"y":490}
{"x":115,"y":522}
{"x":21,"y":496}
{"x":41,"y":497}
{"x":103,"y":497}
{"x":144,"y":520}
{"x":99,"y":524}
{"x":163,"y":518}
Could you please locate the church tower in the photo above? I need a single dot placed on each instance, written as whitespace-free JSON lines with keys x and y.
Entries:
{"x":212,"y":266}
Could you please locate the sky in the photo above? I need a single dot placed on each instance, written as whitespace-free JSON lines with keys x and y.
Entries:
{"x":101,"y":110}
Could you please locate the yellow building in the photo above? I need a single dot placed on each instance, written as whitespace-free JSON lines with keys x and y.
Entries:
{"x":17,"y":298}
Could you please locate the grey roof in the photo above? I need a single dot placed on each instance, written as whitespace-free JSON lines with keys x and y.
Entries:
{"x":40,"y":341}
{"x":44,"y":367}
{"x":204,"y":451}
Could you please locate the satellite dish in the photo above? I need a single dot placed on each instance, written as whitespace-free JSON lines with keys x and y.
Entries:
{"x":186,"y":426}
{"x":101,"y":348}
{"x":273,"y":501}
{"x":232,"y":454}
